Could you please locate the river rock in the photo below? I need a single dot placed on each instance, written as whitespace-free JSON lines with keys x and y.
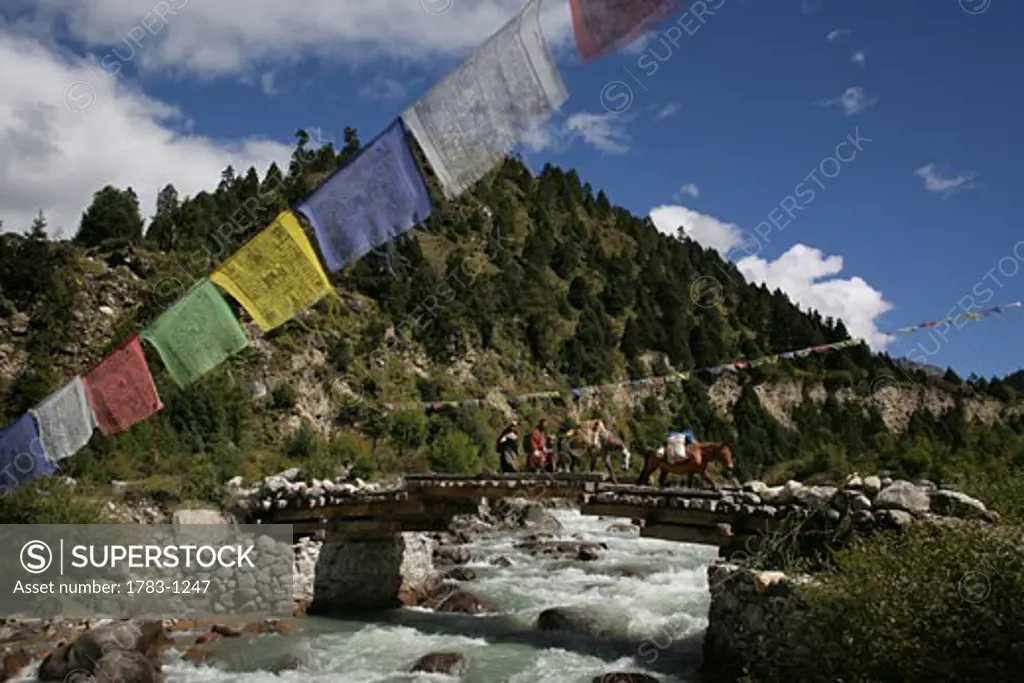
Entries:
{"x":462,"y":602}
{"x":147,"y":638}
{"x":519,"y":513}
{"x":571,"y":620}
{"x":14,"y":662}
{"x":121,"y":667}
{"x":500,"y":561}
{"x":452,"y":554}
{"x":457,"y":574}
{"x":902,"y":495}
{"x":624,"y":677}
{"x":447,"y":663}
{"x":576,"y":549}
{"x":956,"y":504}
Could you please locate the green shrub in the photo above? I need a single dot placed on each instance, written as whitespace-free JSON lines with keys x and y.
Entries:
{"x":452,"y":453}
{"x":933,"y":604}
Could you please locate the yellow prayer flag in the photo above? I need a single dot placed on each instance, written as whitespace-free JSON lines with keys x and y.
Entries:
{"x":276,"y":274}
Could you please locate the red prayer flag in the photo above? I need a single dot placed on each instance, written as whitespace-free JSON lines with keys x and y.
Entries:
{"x":121,"y":388}
{"x":601,"y":25}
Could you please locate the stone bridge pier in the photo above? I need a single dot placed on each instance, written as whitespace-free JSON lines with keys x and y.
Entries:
{"x":346,"y":574}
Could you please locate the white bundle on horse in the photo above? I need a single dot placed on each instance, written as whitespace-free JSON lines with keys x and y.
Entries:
{"x":675,"y":448}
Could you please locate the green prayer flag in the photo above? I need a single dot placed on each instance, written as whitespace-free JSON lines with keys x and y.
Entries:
{"x":196,"y":334}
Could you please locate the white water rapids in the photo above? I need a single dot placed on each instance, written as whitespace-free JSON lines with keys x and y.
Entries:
{"x":652,"y":594}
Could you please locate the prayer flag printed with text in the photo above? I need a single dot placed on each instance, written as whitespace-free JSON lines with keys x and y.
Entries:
{"x":276,"y":274}
{"x":603,"y":25}
{"x":370,"y":201}
{"x":121,"y":389}
{"x":468,"y":122}
{"x":21,"y":454}
{"x":65,"y":420}
{"x":196,"y":334}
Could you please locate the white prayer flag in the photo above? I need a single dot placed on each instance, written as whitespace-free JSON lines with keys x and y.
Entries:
{"x":65,"y":420}
{"x":470,"y":121}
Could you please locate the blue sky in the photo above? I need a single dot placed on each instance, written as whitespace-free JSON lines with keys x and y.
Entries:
{"x":739,"y":111}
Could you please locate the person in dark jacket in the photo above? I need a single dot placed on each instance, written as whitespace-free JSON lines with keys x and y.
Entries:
{"x":508,"y":448}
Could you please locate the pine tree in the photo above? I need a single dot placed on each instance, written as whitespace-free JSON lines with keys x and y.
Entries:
{"x":113,"y":215}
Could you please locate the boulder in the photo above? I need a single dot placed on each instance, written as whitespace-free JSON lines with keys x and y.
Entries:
{"x":147,"y":638}
{"x":897,"y":520}
{"x":624,"y":677}
{"x":121,"y":667}
{"x":581,"y":550}
{"x":457,"y":574}
{"x":14,"y":662}
{"x":571,"y":620}
{"x":902,"y":495}
{"x":447,"y":663}
{"x":956,"y":504}
{"x":462,"y":602}
{"x":452,"y":554}
{"x":872,"y":485}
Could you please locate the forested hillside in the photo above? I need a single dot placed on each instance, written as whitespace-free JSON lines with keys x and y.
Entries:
{"x":523,"y":284}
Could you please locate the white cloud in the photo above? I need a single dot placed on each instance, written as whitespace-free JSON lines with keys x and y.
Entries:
{"x":860,"y":57}
{"x":55,"y":159}
{"x":853,"y":101}
{"x":805,"y":274}
{"x":837,"y":34}
{"x":689,"y":190}
{"x":229,"y":37}
{"x":934,"y":180}
{"x":667,"y":110}
{"x":707,"y":230}
{"x":605,"y":132}
{"x":382,"y":89}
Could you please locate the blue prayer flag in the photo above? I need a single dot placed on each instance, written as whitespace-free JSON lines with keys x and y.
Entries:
{"x":375,"y":197}
{"x":22,"y":456}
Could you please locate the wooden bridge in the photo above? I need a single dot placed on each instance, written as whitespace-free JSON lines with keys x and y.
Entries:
{"x":725,"y":518}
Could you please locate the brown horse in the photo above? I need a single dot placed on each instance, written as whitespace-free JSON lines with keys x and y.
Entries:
{"x":702,"y":455}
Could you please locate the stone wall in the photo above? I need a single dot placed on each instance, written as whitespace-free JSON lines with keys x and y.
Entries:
{"x":340,"y":575}
{"x":747,"y":607}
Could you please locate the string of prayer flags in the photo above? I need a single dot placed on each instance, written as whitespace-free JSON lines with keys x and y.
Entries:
{"x":121,"y":389}
{"x":276,"y":274}
{"x":978,"y":315}
{"x":371,"y":200}
{"x":602,"y":25}
{"x":65,"y":420}
{"x":468,"y":122}
{"x":22,"y":457}
{"x":197,"y":334}
{"x":643,"y":381}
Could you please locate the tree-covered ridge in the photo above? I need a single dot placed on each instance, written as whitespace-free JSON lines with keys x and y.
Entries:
{"x":540,"y":280}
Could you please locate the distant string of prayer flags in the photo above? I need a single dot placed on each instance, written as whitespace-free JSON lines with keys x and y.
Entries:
{"x":714,"y":370}
{"x":196,"y":334}
{"x":599,"y":26}
{"x":276,"y":274}
{"x":468,"y":122}
{"x":65,"y":420}
{"x":22,"y":457}
{"x":371,"y":200}
{"x":121,"y":388}
{"x":637,"y":383}
{"x":974,"y":315}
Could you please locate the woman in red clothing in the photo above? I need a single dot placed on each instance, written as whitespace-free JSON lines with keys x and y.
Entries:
{"x":536,"y":460}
